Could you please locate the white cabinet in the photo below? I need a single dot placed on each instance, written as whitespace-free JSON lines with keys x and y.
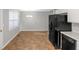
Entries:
{"x":73,"y":15}
{"x":77,"y":47}
{"x":60,"y":11}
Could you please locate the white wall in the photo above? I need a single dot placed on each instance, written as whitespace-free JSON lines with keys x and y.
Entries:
{"x":0,"y":19}
{"x":75,"y":27}
{"x":1,"y":33}
{"x":39,"y":21}
{"x":7,"y":35}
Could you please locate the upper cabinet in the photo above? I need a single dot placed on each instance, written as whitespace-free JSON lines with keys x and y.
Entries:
{"x":73,"y":15}
{"x":60,"y":11}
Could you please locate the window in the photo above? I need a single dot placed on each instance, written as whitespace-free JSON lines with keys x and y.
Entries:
{"x":13,"y":19}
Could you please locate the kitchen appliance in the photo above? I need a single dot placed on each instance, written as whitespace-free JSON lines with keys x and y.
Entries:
{"x":62,"y":27}
{"x":57,"y":23}
{"x":68,"y":43}
{"x":52,"y":24}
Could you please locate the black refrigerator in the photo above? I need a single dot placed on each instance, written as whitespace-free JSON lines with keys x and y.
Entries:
{"x":57,"y":22}
{"x":52,"y":25}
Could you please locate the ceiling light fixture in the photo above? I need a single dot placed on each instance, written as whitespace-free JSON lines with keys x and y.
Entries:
{"x":28,"y":15}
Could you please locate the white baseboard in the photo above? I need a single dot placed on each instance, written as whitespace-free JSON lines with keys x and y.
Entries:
{"x":10,"y":40}
{"x":43,"y":29}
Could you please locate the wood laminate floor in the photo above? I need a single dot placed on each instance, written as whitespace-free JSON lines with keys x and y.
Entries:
{"x":30,"y":41}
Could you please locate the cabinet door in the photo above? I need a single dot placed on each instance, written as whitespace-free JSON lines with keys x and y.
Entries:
{"x":77,"y":45}
{"x":73,"y":15}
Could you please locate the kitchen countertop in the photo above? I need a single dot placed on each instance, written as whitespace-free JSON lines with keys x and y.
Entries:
{"x":71,"y":34}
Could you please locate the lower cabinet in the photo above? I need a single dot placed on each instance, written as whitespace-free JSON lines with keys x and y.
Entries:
{"x":68,"y":43}
{"x":77,"y":45}
{"x":77,"y":48}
